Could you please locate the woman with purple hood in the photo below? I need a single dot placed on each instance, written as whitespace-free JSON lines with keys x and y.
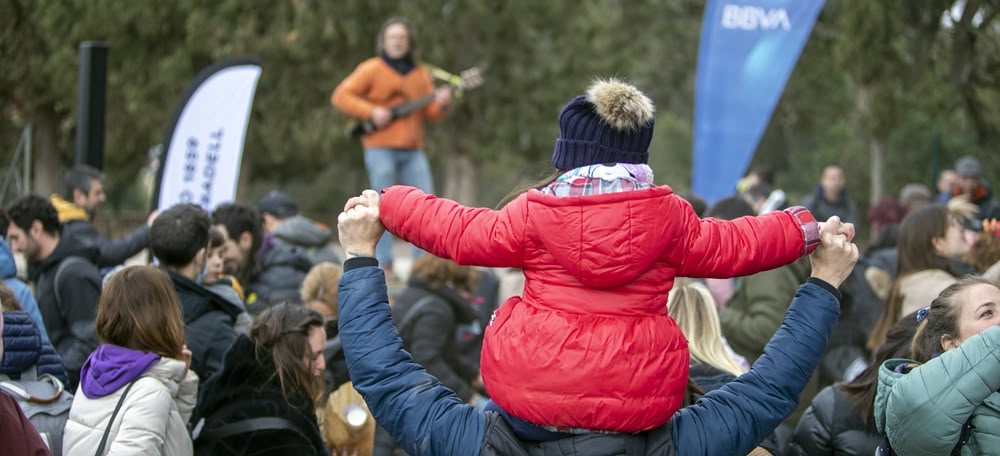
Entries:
{"x":137,"y":390}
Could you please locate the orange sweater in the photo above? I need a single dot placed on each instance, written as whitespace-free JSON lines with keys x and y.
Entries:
{"x":374,"y":83}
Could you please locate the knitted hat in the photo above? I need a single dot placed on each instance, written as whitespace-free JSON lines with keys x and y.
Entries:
{"x":968,"y":166}
{"x":611,"y":123}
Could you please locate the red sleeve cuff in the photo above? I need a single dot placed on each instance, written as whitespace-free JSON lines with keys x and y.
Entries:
{"x":810,"y":228}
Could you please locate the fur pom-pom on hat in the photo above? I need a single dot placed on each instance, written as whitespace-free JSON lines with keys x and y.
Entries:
{"x":620,"y":104}
{"x":611,"y":123}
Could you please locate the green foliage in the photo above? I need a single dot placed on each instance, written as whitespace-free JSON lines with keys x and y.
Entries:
{"x":887,"y":71}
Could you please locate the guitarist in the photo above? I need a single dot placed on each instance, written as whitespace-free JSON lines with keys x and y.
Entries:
{"x":393,"y":150}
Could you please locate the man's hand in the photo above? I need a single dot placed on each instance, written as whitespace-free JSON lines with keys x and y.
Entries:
{"x":442,"y":96}
{"x":381,"y":116}
{"x":834,"y":260}
{"x":359,"y":225}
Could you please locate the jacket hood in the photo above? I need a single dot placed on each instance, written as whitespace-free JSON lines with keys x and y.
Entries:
{"x":8,"y":268}
{"x":275,"y":252}
{"x":197,"y":300}
{"x":302,"y":231}
{"x":111,"y":367}
{"x":22,"y":343}
{"x":68,"y":211}
{"x":888,"y":374}
{"x":604,"y":240}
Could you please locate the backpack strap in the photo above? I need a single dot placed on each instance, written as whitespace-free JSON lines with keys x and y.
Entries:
{"x":58,"y":279}
{"x":107,"y":431}
{"x":412,"y":313}
{"x":270,"y":423}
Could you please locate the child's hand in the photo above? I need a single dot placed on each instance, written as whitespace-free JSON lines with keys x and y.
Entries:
{"x":368,"y":198}
{"x":838,"y":227}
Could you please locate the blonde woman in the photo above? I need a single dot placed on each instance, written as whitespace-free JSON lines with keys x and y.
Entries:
{"x":137,"y":390}
{"x":319,"y":291}
{"x":713,"y":364}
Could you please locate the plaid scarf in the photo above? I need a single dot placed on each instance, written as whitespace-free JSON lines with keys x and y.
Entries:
{"x":601,"y":179}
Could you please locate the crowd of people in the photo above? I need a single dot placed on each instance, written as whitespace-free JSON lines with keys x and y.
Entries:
{"x":647,"y":323}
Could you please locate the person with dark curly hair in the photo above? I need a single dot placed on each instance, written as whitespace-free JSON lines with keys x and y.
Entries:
{"x":67,"y":282}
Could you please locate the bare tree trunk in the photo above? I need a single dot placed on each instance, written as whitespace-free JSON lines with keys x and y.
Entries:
{"x":48,"y":166}
{"x":876,"y":146}
{"x":460,"y":179}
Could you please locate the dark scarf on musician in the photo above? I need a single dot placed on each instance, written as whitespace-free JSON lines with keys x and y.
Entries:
{"x":402,"y":66}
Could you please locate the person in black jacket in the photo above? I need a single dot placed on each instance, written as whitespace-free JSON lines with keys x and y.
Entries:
{"x":840,"y":420}
{"x":179,"y":238}
{"x":67,"y":283}
{"x":83,"y":193}
{"x":271,"y":269}
{"x":263,"y":401}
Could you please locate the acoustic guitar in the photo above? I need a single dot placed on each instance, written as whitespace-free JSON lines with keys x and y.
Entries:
{"x":469,"y":79}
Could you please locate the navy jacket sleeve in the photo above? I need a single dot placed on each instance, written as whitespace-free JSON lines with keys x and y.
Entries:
{"x":749,"y":408}
{"x":422,"y":415}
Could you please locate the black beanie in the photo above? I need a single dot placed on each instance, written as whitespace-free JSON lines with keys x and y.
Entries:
{"x":611,"y":123}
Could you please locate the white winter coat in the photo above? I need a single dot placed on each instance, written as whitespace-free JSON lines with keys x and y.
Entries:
{"x":152,"y":421}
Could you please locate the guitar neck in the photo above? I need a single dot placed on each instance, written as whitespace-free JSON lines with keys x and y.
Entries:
{"x":407,"y":107}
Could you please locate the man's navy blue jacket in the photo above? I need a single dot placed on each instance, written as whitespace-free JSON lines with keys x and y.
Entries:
{"x":426,"y":418}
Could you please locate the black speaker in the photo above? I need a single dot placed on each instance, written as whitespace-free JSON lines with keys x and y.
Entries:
{"x":92,"y":83}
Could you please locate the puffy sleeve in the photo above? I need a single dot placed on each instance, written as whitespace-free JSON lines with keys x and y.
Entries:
{"x":144,"y":422}
{"x":924,"y":411}
{"x":731,"y":248}
{"x":187,"y":394}
{"x":468,"y":236}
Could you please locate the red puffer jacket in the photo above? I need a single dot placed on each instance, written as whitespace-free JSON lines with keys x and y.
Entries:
{"x":590,"y":345}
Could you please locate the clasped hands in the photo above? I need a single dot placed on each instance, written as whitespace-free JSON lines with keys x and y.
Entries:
{"x":359,"y":226}
{"x":834,"y":260}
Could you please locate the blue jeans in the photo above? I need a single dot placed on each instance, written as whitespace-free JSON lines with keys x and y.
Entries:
{"x":387,"y":167}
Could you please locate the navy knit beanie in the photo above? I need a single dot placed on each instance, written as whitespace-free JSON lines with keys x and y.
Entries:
{"x":611,"y":123}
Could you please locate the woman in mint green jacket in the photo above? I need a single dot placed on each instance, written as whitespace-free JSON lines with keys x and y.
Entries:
{"x":953,"y":379}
